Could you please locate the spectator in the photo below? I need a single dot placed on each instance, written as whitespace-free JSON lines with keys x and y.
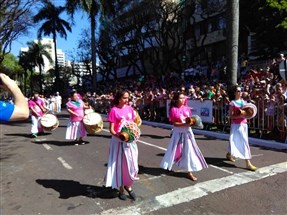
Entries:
{"x":58,"y":98}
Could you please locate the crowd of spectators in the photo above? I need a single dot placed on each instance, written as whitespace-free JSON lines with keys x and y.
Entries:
{"x":262,"y":86}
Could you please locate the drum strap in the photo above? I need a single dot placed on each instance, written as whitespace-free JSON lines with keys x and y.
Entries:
{"x":40,"y":106}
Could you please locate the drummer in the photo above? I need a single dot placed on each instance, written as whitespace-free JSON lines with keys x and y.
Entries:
{"x":38,"y":108}
{"x":238,"y":140}
{"x":75,"y":128}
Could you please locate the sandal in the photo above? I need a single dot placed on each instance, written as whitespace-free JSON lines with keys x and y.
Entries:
{"x":191,"y":177}
{"x":122,"y":196}
{"x":131,"y":193}
{"x":251,"y":167}
{"x":229,"y":157}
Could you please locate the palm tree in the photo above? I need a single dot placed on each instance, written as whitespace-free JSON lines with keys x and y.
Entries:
{"x":53,"y":24}
{"x":92,"y":8}
{"x":36,"y":53}
{"x":27,"y":64}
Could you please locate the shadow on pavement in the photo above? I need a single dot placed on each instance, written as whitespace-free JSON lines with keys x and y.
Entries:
{"x":152,"y":171}
{"x":154,"y":136}
{"x":220,"y":162}
{"x":99,"y":135}
{"x":28,"y":135}
{"x":70,"y":188}
{"x":205,"y":138}
{"x":59,"y":143}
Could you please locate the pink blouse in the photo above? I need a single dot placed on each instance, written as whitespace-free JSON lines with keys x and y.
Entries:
{"x":179,"y":114}
{"x":78,"y":108}
{"x":116,"y":115}
{"x":35,"y":105}
{"x":237,"y":104}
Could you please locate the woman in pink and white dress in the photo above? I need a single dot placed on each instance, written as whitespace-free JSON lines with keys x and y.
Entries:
{"x":238,"y":139}
{"x":75,"y":128}
{"x":122,"y":167}
{"x":182,"y":149}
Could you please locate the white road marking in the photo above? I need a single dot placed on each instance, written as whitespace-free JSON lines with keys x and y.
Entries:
{"x":258,"y":155}
{"x":151,"y":178}
{"x":149,"y":144}
{"x":46,"y":146}
{"x":198,"y":190}
{"x":40,"y":139}
{"x":222,"y":169}
{"x":64,"y":163}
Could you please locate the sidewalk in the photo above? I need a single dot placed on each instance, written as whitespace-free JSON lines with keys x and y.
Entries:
{"x":252,"y":141}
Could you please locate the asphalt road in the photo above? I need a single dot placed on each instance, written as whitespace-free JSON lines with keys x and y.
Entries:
{"x":49,"y":175}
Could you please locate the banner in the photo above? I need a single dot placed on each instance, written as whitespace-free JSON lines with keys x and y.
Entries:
{"x":202,"y":109}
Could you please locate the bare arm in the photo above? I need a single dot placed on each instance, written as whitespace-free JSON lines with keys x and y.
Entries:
{"x":21,"y":110}
{"x":112,"y":130}
{"x":72,"y":112}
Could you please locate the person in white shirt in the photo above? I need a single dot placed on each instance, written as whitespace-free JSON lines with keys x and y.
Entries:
{"x":52,"y":104}
{"x":58,"y":102}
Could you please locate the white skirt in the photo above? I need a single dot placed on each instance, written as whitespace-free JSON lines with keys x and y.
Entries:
{"x":122,"y":167}
{"x":183,"y":151}
{"x":238,"y":141}
{"x":75,"y":130}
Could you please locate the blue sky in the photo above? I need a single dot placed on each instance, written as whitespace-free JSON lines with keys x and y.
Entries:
{"x":68,"y":46}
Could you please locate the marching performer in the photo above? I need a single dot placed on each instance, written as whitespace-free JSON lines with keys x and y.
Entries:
{"x":75,"y":128}
{"x":122,"y":167}
{"x":38,"y":108}
{"x":182,"y":149}
{"x":238,"y":139}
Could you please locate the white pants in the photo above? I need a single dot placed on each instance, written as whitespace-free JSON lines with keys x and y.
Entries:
{"x":36,"y":125}
{"x":58,"y":107}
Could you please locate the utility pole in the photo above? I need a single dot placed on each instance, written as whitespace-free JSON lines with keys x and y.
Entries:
{"x":232,"y":28}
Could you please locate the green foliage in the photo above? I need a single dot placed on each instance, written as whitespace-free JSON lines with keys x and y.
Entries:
{"x":10,"y":65}
{"x":281,"y":7}
{"x":267,"y":19}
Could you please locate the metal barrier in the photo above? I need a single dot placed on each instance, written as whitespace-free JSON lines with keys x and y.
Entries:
{"x":269,"y":123}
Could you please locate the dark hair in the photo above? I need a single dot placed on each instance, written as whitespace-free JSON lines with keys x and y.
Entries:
{"x":174,"y":100}
{"x":232,"y":92}
{"x":118,"y":95}
{"x":72,"y":93}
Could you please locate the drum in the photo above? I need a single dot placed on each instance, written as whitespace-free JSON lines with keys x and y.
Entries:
{"x":49,"y":122}
{"x":129,"y":131}
{"x":93,"y":123}
{"x":137,"y":119}
{"x":248,"y":111}
{"x":195,"y":121}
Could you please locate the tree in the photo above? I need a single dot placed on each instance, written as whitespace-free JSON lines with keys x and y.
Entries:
{"x":92,"y":8}
{"x":270,"y":34}
{"x":27,"y":63}
{"x":232,"y":40}
{"x":280,"y":9}
{"x":36,"y":53}
{"x":52,"y":24}
{"x":15,"y":20}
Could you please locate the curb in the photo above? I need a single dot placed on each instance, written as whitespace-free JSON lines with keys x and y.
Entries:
{"x":252,"y":141}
